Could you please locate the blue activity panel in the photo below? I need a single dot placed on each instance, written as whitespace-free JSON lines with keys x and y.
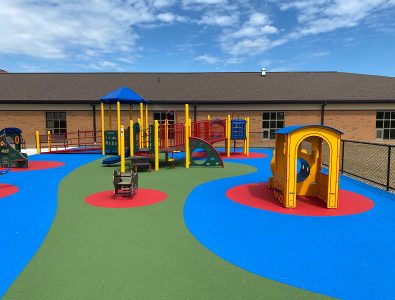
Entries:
{"x":238,"y":129}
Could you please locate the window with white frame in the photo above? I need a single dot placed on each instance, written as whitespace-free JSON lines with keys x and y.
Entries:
{"x":55,"y":122}
{"x":271,"y":121}
{"x":385,"y":125}
{"x":161,"y":117}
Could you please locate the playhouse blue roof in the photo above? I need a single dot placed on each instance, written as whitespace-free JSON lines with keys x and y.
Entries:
{"x":10,"y":130}
{"x":123,"y":95}
{"x":289,"y":129}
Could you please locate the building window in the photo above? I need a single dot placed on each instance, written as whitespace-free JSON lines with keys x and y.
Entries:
{"x":56,"y":122}
{"x":272,"y":120}
{"x":161,"y":117}
{"x":385,"y":125}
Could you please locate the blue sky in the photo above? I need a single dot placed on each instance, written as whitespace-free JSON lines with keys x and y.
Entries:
{"x":197,"y":35}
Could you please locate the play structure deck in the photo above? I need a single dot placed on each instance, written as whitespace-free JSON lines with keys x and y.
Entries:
{"x":144,"y":139}
{"x":11,"y":155}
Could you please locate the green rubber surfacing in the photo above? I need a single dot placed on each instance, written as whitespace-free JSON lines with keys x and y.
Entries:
{"x":136,"y":253}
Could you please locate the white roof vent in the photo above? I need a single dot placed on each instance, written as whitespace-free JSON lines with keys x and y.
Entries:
{"x":263,"y":72}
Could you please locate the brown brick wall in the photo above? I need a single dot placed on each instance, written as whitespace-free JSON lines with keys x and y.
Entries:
{"x":356,"y":125}
{"x":27,"y":121}
{"x":302,"y":117}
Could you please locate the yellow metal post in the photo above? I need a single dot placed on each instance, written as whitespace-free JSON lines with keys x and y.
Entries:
{"x":38,"y":142}
{"x":122,"y":148}
{"x":140,"y":133}
{"x":146,"y":125}
{"x":228,"y":136}
{"x":49,"y":141}
{"x":109,"y":117}
{"x":119,"y":125}
{"x":245,"y":140}
{"x":209,"y":127}
{"x":248,"y":136}
{"x":131,"y":138}
{"x":103,"y":146}
{"x":142,"y":143}
{"x":187,"y":154}
{"x":166,"y":133}
{"x":156,"y":141}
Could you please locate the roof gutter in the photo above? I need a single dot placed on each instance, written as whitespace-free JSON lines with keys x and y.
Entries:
{"x":209,"y":102}
{"x":323,"y":113}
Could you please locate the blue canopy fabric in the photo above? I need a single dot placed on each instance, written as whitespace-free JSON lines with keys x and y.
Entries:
{"x":289,"y":129}
{"x":123,"y":95}
{"x":10,"y":130}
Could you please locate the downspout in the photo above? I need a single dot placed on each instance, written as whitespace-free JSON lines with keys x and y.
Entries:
{"x":323,"y":113}
{"x":94,"y":122}
{"x":194,"y":112}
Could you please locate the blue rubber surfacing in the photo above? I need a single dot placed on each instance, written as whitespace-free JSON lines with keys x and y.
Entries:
{"x":348,"y":257}
{"x":26,"y":217}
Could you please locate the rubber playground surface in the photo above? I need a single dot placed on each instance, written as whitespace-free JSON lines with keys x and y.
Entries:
{"x":202,"y":233}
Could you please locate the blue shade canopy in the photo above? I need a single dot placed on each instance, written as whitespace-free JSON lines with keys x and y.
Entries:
{"x":123,"y":95}
{"x":10,"y":130}
{"x":289,"y":129}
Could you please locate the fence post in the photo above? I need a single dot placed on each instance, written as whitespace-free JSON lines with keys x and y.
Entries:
{"x":342,"y":167}
{"x":388,"y":168}
{"x":78,"y":135}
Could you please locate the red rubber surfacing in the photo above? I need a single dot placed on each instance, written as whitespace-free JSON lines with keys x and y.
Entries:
{"x":143,"y":197}
{"x":258,"y":195}
{"x":38,"y":165}
{"x":7,"y":190}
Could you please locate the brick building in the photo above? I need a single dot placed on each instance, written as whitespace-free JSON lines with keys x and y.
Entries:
{"x":362,"y":106}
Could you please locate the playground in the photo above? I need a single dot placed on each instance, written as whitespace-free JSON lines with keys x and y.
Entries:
{"x":209,"y":221}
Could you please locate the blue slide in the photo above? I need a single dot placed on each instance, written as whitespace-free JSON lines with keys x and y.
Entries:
{"x":114,"y":159}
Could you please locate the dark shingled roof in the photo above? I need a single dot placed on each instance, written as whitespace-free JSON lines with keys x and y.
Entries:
{"x":245,"y":87}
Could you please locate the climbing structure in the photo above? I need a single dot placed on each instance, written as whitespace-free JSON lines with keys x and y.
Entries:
{"x":10,"y":149}
{"x":297,"y":164}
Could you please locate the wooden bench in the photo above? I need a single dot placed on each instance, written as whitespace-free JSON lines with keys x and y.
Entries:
{"x":136,"y":162}
{"x":142,"y":164}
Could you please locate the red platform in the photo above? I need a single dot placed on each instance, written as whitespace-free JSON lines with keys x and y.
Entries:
{"x":258,"y":195}
{"x":7,"y":190}
{"x":143,"y":197}
{"x":38,"y":165}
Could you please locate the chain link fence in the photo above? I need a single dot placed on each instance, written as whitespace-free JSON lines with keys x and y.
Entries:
{"x":371,"y":163}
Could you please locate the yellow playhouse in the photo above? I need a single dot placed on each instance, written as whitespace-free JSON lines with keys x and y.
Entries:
{"x":297,"y":164}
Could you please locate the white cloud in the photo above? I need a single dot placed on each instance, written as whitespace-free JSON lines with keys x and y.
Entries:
{"x":251,"y":38}
{"x":321,"y":16}
{"x":88,"y":30}
{"x":170,"y":17}
{"x":219,"y":20}
{"x":191,"y":2}
{"x":162,"y":3}
{"x":207,"y":59}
